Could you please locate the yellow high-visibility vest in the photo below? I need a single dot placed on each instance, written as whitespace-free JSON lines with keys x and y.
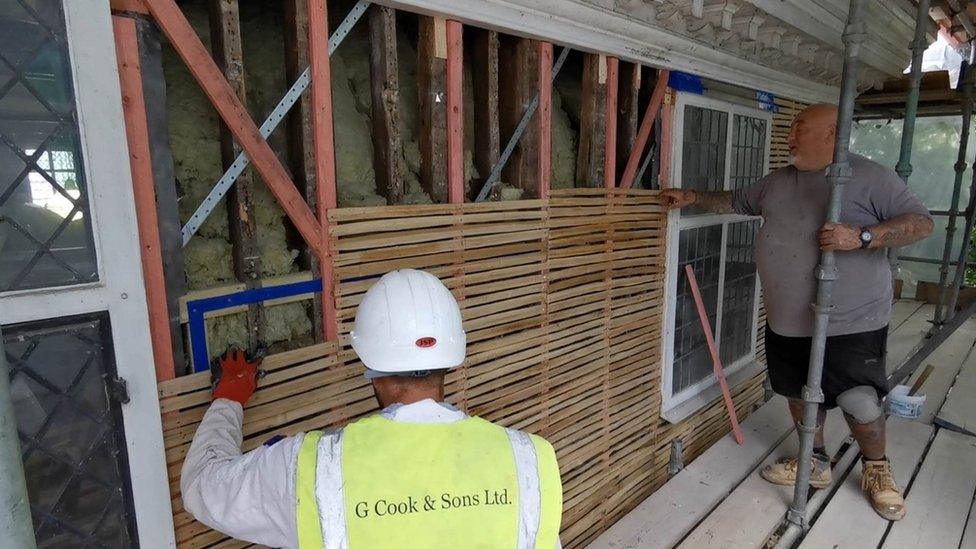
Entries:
{"x":381,"y":483}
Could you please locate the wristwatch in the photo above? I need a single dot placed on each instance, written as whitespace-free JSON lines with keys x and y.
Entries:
{"x":866,"y":237}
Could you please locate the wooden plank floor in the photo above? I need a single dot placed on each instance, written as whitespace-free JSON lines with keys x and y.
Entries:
{"x":940,"y":497}
{"x":848,"y":521}
{"x":663,"y":519}
{"x":959,"y":411}
{"x":749,"y":514}
{"x":903,"y":337}
{"x":690,"y":513}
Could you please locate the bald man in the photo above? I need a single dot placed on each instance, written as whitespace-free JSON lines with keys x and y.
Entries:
{"x":878,"y":211}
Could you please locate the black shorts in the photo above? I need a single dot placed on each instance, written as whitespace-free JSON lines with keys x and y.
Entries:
{"x":849,"y":360}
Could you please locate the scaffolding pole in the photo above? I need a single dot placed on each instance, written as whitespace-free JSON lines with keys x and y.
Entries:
{"x":838,"y":174}
{"x":967,"y":238}
{"x":919,"y":44}
{"x":960,"y":167}
{"x":15,"y":519}
{"x":904,"y":165}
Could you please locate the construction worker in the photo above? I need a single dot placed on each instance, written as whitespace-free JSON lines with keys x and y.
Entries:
{"x":421,"y":473}
{"x":878,"y":212}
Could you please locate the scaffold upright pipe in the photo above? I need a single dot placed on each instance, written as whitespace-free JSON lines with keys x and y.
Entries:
{"x":838,"y":174}
{"x":967,"y":240}
{"x":918,"y":46}
{"x":960,"y":167}
{"x":904,"y":165}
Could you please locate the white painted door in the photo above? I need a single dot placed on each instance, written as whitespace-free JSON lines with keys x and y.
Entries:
{"x":72,"y":301}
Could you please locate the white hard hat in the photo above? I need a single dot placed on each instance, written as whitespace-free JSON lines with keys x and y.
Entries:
{"x":408,"y":322}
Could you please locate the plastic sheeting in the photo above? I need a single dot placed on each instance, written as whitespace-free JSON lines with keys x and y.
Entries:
{"x":933,"y":157}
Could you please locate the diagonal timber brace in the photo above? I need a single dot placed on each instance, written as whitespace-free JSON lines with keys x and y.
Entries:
{"x":278,"y":114}
{"x":198,"y":60}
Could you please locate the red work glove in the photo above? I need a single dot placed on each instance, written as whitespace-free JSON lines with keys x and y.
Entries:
{"x":235,"y":376}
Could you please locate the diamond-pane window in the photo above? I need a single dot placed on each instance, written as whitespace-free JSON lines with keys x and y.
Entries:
{"x":71,"y":434}
{"x":45,"y":228}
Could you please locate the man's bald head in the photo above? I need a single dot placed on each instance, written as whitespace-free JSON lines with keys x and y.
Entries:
{"x":812,"y":137}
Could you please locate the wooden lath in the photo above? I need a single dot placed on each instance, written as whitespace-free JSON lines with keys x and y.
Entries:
{"x":562,"y":301}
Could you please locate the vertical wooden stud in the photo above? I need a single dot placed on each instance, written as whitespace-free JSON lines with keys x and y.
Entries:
{"x":667,"y":126}
{"x":610,"y":132}
{"x":432,"y":87}
{"x":455,"y":113}
{"x":385,"y":86}
{"x":301,"y":145}
{"x":627,"y":112}
{"x":225,"y":36}
{"x":484,"y":66}
{"x":518,"y":66}
{"x":545,"y":118}
{"x":322,"y":132}
{"x":592,"y":139}
{"x":137,"y":137}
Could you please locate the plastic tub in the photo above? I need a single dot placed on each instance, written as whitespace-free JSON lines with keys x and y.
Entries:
{"x":902,"y":405}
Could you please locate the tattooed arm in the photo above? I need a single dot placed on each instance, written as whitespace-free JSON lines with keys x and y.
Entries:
{"x":715,"y":202}
{"x":901,"y":231}
{"x":898,"y":231}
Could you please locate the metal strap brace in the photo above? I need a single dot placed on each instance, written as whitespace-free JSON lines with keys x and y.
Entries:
{"x":240,"y":163}
{"x":496,"y":172}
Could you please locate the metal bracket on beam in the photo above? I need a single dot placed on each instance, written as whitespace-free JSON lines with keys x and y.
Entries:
{"x":676,"y":460}
{"x":496,"y":172}
{"x":270,"y":124}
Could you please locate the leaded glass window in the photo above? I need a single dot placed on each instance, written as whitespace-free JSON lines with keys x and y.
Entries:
{"x":722,"y":148}
{"x":71,"y":433}
{"x":45,"y":223}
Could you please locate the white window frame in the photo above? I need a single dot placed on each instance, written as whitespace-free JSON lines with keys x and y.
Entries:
{"x":120,"y":287}
{"x":676,"y":407}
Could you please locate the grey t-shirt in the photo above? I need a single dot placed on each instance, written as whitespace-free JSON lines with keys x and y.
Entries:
{"x":793,"y":205}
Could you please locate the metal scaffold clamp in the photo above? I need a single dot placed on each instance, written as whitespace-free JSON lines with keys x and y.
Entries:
{"x":841,"y":171}
{"x":826,"y":273}
{"x":855,"y":33}
{"x":798,"y":518}
{"x":811,"y":395}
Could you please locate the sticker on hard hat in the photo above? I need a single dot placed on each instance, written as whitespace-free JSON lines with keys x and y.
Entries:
{"x":426,"y":342}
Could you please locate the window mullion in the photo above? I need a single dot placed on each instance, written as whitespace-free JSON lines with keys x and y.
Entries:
{"x":721,"y":286}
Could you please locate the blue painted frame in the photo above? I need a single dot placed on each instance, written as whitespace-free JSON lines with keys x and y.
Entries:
{"x":197,"y":308}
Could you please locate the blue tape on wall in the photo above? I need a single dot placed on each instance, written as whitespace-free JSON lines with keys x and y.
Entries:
{"x":684,"y":82}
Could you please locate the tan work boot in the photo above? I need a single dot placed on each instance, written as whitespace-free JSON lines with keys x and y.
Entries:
{"x":879,"y":484}
{"x":783,"y":472}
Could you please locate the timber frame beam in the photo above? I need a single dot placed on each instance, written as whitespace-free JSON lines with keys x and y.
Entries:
{"x":225,"y":33}
{"x":519,"y":72}
{"x":385,"y":86}
{"x":233,"y":113}
{"x":591,"y":27}
{"x":432,"y":93}
{"x":225,"y":99}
